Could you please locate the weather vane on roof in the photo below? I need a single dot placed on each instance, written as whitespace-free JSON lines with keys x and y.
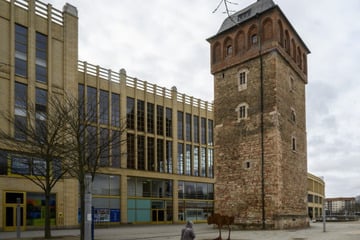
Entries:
{"x":226,"y":4}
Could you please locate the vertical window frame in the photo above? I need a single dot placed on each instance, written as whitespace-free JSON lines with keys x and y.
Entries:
{"x":242,"y":79}
{"x":21,"y":50}
{"x":41,"y":57}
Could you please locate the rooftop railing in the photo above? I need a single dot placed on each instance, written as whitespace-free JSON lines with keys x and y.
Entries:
{"x":132,"y":82}
{"x":41,"y":9}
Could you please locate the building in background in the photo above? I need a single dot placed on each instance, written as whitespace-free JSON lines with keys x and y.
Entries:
{"x":259,"y":63}
{"x":340,"y":206}
{"x":316,"y":196}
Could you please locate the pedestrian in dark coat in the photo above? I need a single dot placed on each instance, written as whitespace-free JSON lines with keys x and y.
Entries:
{"x":187,"y":233}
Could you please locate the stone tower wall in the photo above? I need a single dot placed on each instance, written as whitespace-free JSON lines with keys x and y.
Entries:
{"x":260,"y":160}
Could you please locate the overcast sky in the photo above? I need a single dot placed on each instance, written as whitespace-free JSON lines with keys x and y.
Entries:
{"x":164,"y":42}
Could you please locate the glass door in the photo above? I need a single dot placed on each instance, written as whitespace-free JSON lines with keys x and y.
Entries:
{"x":157,"y":211}
{"x":13,"y":202}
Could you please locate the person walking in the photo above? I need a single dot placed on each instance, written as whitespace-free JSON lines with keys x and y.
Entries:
{"x":187,"y":233}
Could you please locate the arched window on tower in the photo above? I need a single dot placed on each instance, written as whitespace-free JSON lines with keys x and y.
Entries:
{"x":216,"y":53}
{"x":267,"y":29}
{"x":287,"y":41}
{"x":240,"y":43}
{"x":293,"y":46}
{"x":228,"y":49}
{"x":243,"y":79}
{"x":281,"y":34}
{"x":242,"y":111}
{"x":254,"y":39}
{"x":252,"y":36}
{"x":304,"y":64}
{"x":299,"y":56}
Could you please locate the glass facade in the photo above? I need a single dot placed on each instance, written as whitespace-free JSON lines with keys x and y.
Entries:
{"x":195,"y":200}
{"x":160,"y":134}
{"x":35,"y":209}
{"x":104,"y":107}
{"x":106,"y":198}
{"x":41,"y":112}
{"x":20,"y":111}
{"x":21,"y":50}
{"x":41,"y":57}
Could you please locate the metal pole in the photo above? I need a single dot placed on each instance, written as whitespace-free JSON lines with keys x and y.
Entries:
{"x":88,"y":203}
{"x":323,"y":209}
{"x":18,"y":218}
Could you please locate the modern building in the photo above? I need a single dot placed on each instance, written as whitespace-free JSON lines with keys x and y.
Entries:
{"x":259,"y":63}
{"x":340,"y":206}
{"x":316,"y":196}
{"x":166,"y":174}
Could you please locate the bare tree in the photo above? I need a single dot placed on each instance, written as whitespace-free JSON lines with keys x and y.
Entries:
{"x":89,"y":146}
{"x":62,"y":139}
{"x":37,"y":147}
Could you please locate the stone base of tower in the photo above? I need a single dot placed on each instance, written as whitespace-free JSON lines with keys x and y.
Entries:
{"x":277,"y":223}
{"x":291,"y":221}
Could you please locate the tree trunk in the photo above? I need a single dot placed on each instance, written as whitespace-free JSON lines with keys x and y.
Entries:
{"x":47,"y":215}
{"x":82,"y":209}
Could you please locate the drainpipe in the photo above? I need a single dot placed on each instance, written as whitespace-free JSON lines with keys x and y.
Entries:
{"x":262,"y":123}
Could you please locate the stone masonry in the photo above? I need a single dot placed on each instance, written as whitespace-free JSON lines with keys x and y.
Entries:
{"x":260,"y":153}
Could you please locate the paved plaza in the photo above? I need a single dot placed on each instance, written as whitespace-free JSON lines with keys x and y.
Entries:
{"x":334,"y":231}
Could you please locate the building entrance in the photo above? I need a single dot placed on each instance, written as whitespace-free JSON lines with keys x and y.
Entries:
{"x":13,"y":200}
{"x":158,"y":211}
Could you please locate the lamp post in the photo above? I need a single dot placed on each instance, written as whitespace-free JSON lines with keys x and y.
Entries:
{"x":323,"y":209}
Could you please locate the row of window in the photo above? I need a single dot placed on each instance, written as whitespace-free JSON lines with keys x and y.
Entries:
{"x":314,"y":199}
{"x":148,"y":153}
{"x":145,"y":116}
{"x":158,"y":188}
{"x":153,"y":118}
{"x":21,"y":54}
{"x":249,"y":39}
{"x":24,"y":165}
{"x":21,"y":111}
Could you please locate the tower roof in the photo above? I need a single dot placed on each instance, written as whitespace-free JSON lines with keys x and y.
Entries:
{"x":258,"y":7}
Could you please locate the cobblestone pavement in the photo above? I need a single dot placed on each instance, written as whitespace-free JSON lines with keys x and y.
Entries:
{"x":334,"y":231}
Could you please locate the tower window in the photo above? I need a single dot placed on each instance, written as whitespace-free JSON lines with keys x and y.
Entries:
{"x":291,"y":84}
{"x":242,"y":81}
{"x":293,"y":115}
{"x":247,"y":165}
{"x":293,"y":143}
{"x":254,"y":39}
{"x":229,"y":50}
{"x":242,"y":111}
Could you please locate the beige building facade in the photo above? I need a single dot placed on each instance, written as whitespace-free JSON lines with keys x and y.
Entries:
{"x":164,"y":173}
{"x":316,"y":196}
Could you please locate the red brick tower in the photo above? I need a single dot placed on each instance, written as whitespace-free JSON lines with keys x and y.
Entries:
{"x":259,"y":63}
